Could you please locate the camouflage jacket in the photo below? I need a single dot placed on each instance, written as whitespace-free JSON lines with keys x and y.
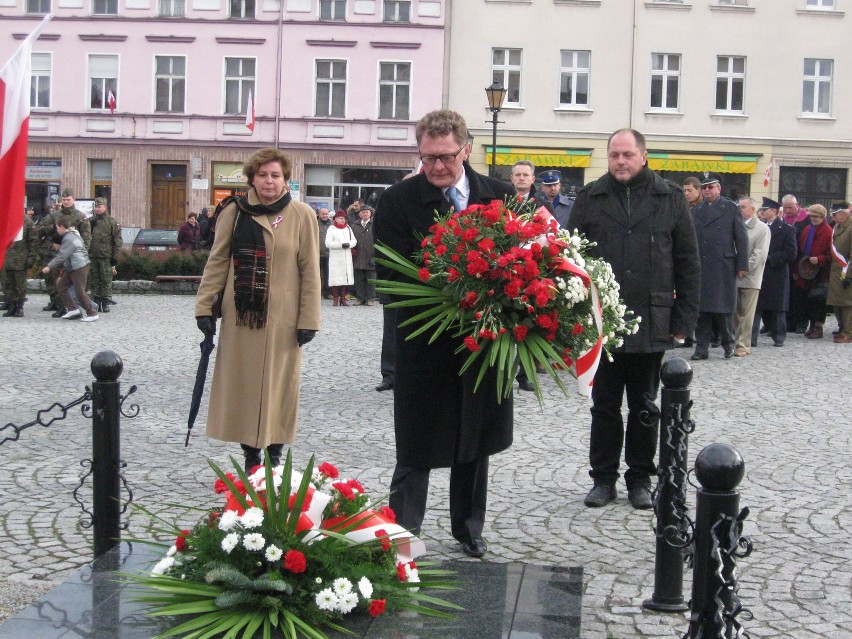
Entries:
{"x":47,"y":229}
{"x":22,"y":253}
{"x":106,"y":237}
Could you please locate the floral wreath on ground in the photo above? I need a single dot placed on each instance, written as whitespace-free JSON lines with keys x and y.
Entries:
{"x":516,"y":288}
{"x":298,"y":558}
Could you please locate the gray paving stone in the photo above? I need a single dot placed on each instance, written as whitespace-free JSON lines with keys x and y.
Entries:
{"x":780,"y":407}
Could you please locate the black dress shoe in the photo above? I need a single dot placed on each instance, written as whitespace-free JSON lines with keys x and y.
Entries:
{"x":58,"y":312}
{"x":384,"y":386}
{"x":779,"y":344}
{"x":600,"y":495}
{"x":49,"y":307}
{"x":697,"y":356}
{"x":729,"y":353}
{"x":716,"y":343}
{"x":640,"y":497}
{"x":526,"y":385}
{"x":764,"y":330}
{"x":475,"y":547}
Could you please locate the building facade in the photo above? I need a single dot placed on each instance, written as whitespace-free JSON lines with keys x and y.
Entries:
{"x":145,"y":102}
{"x":750,"y":89}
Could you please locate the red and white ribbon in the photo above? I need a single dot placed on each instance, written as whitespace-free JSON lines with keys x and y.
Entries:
{"x":838,"y":257}
{"x":587,"y":364}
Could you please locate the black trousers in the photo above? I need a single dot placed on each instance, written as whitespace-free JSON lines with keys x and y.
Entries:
{"x":326,"y":291}
{"x":387,"y":362}
{"x":775,"y":323}
{"x":468,"y":497}
{"x":707,"y":322}
{"x":636,"y":373}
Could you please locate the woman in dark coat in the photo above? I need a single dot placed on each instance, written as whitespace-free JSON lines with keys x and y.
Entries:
{"x":189,"y":235}
{"x":810,"y":292}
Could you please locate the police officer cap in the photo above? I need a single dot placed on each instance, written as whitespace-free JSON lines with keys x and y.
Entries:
{"x":67,"y":193}
{"x":769,"y":204}
{"x":100,"y":201}
{"x":708,"y":177}
{"x":550,"y":177}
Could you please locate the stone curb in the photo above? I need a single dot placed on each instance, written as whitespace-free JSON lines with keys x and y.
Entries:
{"x":134,"y":287}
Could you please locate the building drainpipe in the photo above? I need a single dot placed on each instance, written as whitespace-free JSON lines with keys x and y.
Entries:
{"x":278,"y":71}
{"x":633,"y":67}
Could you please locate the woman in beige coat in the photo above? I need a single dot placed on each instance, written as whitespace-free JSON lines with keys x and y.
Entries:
{"x":265,"y":264}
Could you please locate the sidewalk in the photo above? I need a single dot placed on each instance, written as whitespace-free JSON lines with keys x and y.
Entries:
{"x":785,"y":409}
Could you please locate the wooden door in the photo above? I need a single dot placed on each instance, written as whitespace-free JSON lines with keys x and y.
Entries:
{"x":168,"y":196}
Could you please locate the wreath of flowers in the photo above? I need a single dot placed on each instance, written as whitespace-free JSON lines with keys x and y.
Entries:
{"x":298,"y":557}
{"x":516,"y":288}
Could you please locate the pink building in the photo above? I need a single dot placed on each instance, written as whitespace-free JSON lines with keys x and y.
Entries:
{"x":338,"y":84}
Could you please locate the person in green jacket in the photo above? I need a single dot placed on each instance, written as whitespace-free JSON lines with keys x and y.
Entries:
{"x":19,"y":258}
{"x":103,"y":253}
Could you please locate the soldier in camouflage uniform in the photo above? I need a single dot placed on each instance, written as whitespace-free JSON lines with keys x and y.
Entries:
{"x":47,"y":238}
{"x":20,"y":257}
{"x":103,"y":253}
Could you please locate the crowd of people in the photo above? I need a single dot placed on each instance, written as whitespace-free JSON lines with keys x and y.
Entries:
{"x":78,"y":254}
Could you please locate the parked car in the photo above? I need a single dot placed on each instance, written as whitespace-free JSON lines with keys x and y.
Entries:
{"x":156,"y":240}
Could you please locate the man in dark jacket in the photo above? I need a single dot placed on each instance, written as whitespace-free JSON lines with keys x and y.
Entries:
{"x":439,"y":421}
{"x":723,"y":244}
{"x":643,"y":228}
{"x":774,"y":294}
{"x":364,"y":259}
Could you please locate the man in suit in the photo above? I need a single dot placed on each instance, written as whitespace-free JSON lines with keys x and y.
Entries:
{"x":723,"y":244}
{"x":439,"y":421}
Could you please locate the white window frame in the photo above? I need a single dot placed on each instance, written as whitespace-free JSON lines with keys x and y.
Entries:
{"x":730,"y":77}
{"x":820,"y":5}
{"x":333,"y":83}
{"x":509,"y":74}
{"x":104,"y":79}
{"x":172,"y":8}
{"x":110,"y":8}
{"x":734,"y":3}
{"x":396,"y":6}
{"x":817,"y":80}
{"x":575,"y":71}
{"x":245,"y":82}
{"x":395,"y":85}
{"x":334,"y":7}
{"x":41,"y":74}
{"x":667,"y":76}
{"x":40,"y":11}
{"x":170,"y":78}
{"x":246,"y":9}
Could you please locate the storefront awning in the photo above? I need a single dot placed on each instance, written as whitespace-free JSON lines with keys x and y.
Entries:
{"x":700,"y":163}
{"x":507,"y":156}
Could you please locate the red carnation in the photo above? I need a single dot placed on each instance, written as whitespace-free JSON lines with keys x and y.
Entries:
{"x":377,"y":607}
{"x":544,"y":321}
{"x":453,"y":273}
{"x":344,"y":489}
{"x":180,"y":542}
{"x":578,"y":328}
{"x":354,"y":484}
{"x":382,"y":534}
{"x":520,"y":332}
{"x":469,"y":235}
{"x":328,"y":470}
{"x":440,"y":249}
{"x":400,"y":571}
{"x":219,"y":486}
{"x":423,"y":274}
{"x":295,"y":561}
{"x":388,"y":512}
{"x":471,"y":343}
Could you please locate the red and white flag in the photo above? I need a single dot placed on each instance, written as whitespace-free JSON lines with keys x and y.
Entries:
{"x":250,"y":113}
{"x":767,"y":175}
{"x":14,"y":130}
{"x":111,"y":101}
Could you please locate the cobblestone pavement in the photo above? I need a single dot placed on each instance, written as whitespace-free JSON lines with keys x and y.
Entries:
{"x":786,"y":410}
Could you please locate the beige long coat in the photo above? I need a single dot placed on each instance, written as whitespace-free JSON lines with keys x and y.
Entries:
{"x":255,"y":393}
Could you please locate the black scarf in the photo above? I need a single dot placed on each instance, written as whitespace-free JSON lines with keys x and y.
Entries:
{"x":248,"y":251}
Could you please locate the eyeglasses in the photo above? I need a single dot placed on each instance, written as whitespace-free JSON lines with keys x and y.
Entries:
{"x":447,"y":158}
{"x":709,"y":186}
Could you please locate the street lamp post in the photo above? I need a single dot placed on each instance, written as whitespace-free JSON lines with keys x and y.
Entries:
{"x":496,"y":94}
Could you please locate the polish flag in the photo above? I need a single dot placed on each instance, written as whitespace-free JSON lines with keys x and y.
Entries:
{"x":250,"y":113}
{"x":111,"y":102}
{"x":767,"y":175}
{"x":14,"y":129}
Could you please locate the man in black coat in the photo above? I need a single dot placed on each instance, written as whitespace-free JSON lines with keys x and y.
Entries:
{"x":643,"y":228}
{"x":775,"y":289}
{"x":439,"y":421}
{"x":723,"y":244}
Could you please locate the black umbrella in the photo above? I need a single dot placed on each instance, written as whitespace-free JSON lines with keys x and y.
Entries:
{"x":207,"y":347}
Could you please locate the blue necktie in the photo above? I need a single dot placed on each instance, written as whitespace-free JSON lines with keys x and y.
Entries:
{"x":453,"y":196}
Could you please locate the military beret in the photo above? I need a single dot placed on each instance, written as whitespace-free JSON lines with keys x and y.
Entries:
{"x":550,"y":177}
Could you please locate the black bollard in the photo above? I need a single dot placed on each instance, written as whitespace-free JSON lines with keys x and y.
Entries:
{"x":715,"y":605}
{"x":673,"y":525}
{"x":107,"y":367}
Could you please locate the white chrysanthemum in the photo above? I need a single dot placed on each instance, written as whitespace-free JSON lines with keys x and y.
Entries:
{"x":342,"y":586}
{"x":346,"y":603}
{"x":365,"y":588}
{"x":273,"y":553}
{"x":326,"y":599}
{"x":228,"y":520}
{"x":254,"y":541}
{"x":230,"y":542}
{"x":252,"y":518}
{"x":171,"y":551}
{"x":163,"y":565}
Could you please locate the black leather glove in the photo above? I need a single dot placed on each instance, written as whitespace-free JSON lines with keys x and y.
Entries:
{"x":304,"y":335}
{"x":29,"y":263}
{"x":206,"y":325}
{"x":346,"y":245}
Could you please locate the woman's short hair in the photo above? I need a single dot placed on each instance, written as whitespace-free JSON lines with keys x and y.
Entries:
{"x":817,"y":209}
{"x":191,"y":215}
{"x":263,"y":156}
